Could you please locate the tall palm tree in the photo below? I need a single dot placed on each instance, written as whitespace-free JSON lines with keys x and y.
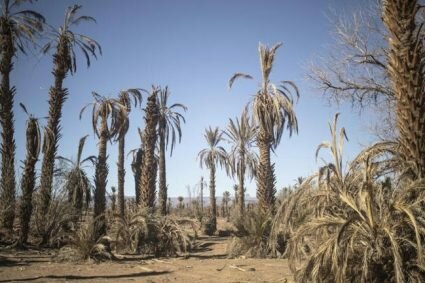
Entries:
{"x":65,"y":42}
{"x":77,"y":183}
{"x":210,"y":157}
{"x":108,"y":117}
{"x":272,"y":108}
{"x":149,"y":169}
{"x":33,"y":146}
{"x":169,"y":128}
{"x":406,"y":71}
{"x":126,"y":97}
{"x":16,"y":28}
{"x":243,"y":159}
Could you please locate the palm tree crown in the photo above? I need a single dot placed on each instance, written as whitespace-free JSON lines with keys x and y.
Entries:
{"x":170,"y":119}
{"x":24,"y":25}
{"x":67,"y":39}
{"x":272,"y":106}
{"x":214,"y":154}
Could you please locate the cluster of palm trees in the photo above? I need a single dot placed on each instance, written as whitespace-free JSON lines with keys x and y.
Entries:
{"x":110,"y":122}
{"x":261,"y":125}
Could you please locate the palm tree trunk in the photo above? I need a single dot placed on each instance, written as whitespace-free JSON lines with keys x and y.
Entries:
{"x":8,"y":182}
{"x":212,"y":199}
{"x":28,"y":180}
{"x":265,"y":175}
{"x":149,"y":169}
{"x":162,"y":174}
{"x":202,"y":194}
{"x":121,"y":176}
{"x":101,"y":176}
{"x":406,"y":71}
{"x":137,"y":171}
{"x":241,"y":193}
{"x":57,"y":97}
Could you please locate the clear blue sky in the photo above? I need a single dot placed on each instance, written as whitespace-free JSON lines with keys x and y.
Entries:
{"x":193,"y":47}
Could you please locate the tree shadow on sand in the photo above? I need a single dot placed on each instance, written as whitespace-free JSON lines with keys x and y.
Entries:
{"x":89,"y":277}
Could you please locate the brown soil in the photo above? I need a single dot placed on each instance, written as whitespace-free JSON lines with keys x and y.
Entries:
{"x":208,"y":264}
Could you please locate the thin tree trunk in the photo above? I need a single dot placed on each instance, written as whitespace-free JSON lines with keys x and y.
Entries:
{"x":101,"y":176}
{"x":149,"y":169}
{"x":28,"y":180}
{"x":202,"y":194}
{"x":8,"y":182}
{"x":212,"y":198}
{"x":406,"y":71}
{"x":265,"y":175}
{"x":241,"y":193}
{"x":121,"y":176}
{"x":162,"y":175}
{"x":57,"y":97}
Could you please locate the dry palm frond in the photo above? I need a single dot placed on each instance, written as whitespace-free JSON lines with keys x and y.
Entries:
{"x":356,"y":228}
{"x":146,"y":233}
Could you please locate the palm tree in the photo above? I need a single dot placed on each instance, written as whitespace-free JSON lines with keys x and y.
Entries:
{"x":169,"y":127}
{"x":16,"y":28}
{"x":210,"y":157}
{"x":77,"y":183}
{"x":125,"y":98}
{"x":149,"y":168}
{"x":64,"y":60}
{"x":242,"y":157}
{"x":112,"y":115}
{"x":33,"y":137}
{"x":272,"y":108}
{"x":406,"y":72}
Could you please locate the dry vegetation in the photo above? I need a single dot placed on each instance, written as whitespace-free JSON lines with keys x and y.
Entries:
{"x":359,"y":222}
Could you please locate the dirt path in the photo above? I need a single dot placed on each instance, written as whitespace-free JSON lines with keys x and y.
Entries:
{"x":207,"y":264}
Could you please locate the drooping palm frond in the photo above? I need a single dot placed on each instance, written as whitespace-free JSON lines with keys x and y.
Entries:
{"x":64,"y":37}
{"x":170,"y":119}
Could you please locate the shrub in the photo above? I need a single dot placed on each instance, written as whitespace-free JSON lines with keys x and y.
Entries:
{"x":147,"y":233}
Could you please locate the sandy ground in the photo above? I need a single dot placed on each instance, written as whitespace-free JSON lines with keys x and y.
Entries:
{"x":208,"y":264}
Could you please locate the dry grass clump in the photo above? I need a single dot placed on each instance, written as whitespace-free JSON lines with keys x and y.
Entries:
{"x":357,"y":226}
{"x":147,"y":233}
